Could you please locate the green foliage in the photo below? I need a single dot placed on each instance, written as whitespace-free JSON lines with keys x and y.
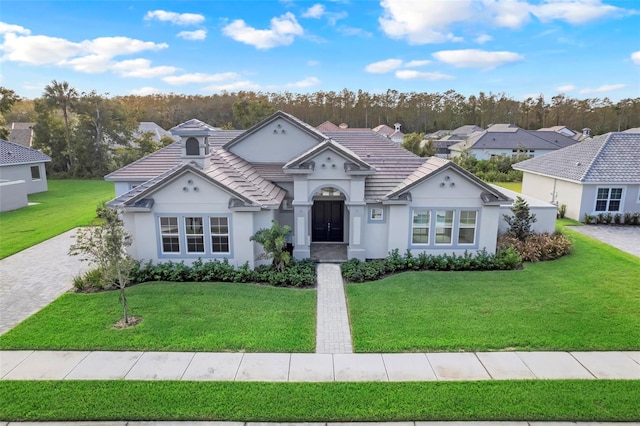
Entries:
{"x":537,"y":247}
{"x":296,"y":274}
{"x":496,"y":169}
{"x":247,"y":112}
{"x":521,"y":221}
{"x":7,"y":99}
{"x":49,"y":136}
{"x":562,"y":211}
{"x":356,"y":270}
{"x":274,"y":243}
{"x":92,"y":280}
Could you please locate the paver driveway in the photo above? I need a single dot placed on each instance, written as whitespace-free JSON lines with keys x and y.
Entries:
{"x":625,"y":238}
{"x":35,"y":277}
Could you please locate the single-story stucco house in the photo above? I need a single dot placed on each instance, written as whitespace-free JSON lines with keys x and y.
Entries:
{"x":22,"y":172}
{"x":595,"y":176}
{"x":207,"y":194}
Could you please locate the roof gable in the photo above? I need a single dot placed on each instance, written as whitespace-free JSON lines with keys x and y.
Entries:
{"x":347,"y":154}
{"x":13,"y":154}
{"x":193,"y":127}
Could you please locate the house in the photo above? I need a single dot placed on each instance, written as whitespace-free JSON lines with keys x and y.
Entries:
{"x":21,"y":133}
{"x":510,"y":140}
{"x":207,"y":194}
{"x":22,"y":172}
{"x":394,"y":134}
{"x":443,"y":139}
{"x":595,"y":176}
{"x":564,"y":130}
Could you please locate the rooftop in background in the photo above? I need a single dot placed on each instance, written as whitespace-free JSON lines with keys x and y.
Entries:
{"x":13,"y":154}
{"x":21,"y":133}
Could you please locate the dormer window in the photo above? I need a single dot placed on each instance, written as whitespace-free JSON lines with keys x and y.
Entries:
{"x":192,"y":146}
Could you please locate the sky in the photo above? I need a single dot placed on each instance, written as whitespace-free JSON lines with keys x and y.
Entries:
{"x":522,"y":48}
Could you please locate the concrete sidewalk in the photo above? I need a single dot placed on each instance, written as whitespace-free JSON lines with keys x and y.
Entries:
{"x":307,"y":367}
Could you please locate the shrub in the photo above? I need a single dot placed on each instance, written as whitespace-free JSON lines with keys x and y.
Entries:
{"x":521,"y":221}
{"x":274,"y":243}
{"x":537,"y":247}
{"x":562,"y":211}
{"x":91,"y":280}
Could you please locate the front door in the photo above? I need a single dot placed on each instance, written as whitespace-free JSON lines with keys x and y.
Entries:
{"x":327,"y":221}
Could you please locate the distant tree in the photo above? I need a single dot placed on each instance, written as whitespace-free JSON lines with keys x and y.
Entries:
{"x":49,"y":136}
{"x":246,"y":113}
{"x":428,"y":148}
{"x":61,"y":95}
{"x":412,"y":142}
{"x":105,"y":246}
{"x":7,"y":98}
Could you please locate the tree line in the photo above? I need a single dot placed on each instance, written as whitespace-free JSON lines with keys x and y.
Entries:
{"x":90,"y":134}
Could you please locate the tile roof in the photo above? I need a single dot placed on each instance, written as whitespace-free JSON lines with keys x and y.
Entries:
{"x":13,"y":153}
{"x":193,"y":126}
{"x":21,"y":133}
{"x":150,"y":166}
{"x":327,"y":126}
{"x":156,"y":131}
{"x":611,"y":158}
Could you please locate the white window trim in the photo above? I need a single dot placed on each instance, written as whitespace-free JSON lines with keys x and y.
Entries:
{"x":610,"y":187}
{"x":163,"y":234}
{"x":427,"y":227}
{"x":454,"y":233}
{"x":466,"y":226}
{"x":201,"y":235}
{"x":444,"y":227}
{"x":182,"y":236}
{"x":228,"y":235}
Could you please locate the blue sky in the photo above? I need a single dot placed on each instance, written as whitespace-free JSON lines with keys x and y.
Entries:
{"x":582,"y":48}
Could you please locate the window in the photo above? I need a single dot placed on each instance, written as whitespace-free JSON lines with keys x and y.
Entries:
{"x":444,"y":226}
{"x":195,"y":234}
{"x":376,"y":214}
{"x":420,"y":226}
{"x":35,"y":172}
{"x":467,"y":228}
{"x":219,"y":234}
{"x":192,"y":146}
{"x":608,"y":199}
{"x":170,"y":234}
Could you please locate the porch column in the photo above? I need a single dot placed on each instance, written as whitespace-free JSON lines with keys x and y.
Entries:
{"x":301,"y":238}
{"x":357,"y":219}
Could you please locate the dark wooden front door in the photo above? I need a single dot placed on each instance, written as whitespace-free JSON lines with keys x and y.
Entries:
{"x":327,"y":221}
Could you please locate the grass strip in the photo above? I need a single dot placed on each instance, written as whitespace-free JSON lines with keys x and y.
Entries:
{"x":66,"y":205}
{"x":175,"y":317}
{"x":570,"y":400}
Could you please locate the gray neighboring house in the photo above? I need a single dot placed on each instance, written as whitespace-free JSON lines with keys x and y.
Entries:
{"x":510,"y":140}
{"x":595,"y":176}
{"x":22,"y":172}
{"x":156,"y":131}
{"x":354,"y":189}
{"x":21,"y":133}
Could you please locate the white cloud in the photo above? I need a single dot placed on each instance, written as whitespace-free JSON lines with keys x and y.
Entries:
{"x":313,"y":63}
{"x":282,"y":32}
{"x":508,"y":13}
{"x":385,"y":66}
{"x":233,"y":87}
{"x":474,"y":58}
{"x":574,"y":11}
{"x":200,"y":78}
{"x":566,"y":88}
{"x":175,"y":18}
{"x":353,"y":31}
{"x":603,"y":89}
{"x":145,"y":91}
{"x":316,"y":11}
{"x":417,"y":75}
{"x":15,"y":29}
{"x":483,"y":38}
{"x":424,"y":21}
{"x":37,"y":50}
{"x":635,"y":57}
{"x":90,"y":64}
{"x":307,"y":82}
{"x":141,"y":68}
{"x":417,"y":63}
{"x":193,"y":35}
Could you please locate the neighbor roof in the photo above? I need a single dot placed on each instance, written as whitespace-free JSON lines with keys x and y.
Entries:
{"x":21,"y":133}
{"x":12,"y":154}
{"x":508,"y":136}
{"x":610,"y":158}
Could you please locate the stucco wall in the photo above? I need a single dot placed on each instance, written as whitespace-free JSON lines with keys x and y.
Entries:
{"x":542,"y":188}
{"x":630,"y":197}
{"x":23,"y":172}
{"x":277,"y":142}
{"x":546,"y":213}
{"x":13,"y":195}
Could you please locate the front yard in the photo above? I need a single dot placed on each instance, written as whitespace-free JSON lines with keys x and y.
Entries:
{"x":586,"y":301}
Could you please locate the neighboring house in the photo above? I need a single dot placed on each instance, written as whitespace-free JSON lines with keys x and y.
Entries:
{"x":394,"y":134}
{"x":565,"y":131}
{"x":206,"y":195}
{"x":22,"y":172}
{"x":510,"y":140}
{"x":595,"y":176}
{"x":157,"y":132}
{"x":21,"y":133}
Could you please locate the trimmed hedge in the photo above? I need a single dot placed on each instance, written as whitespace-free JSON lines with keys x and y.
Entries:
{"x":358,"y":271}
{"x":296,"y":274}
{"x":538,"y":247}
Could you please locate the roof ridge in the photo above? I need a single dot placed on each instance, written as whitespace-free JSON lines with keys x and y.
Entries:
{"x":605,"y":139}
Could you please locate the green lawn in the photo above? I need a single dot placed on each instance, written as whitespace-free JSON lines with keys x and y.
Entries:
{"x":585,"y":301}
{"x":546,"y":400}
{"x":66,"y":205}
{"x":175,"y":317}
{"x":513,"y":186}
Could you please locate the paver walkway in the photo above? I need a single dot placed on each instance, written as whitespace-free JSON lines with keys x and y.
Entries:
{"x":333,"y":333}
{"x":625,"y":238}
{"x":299,"y":367}
{"x":35,"y":277}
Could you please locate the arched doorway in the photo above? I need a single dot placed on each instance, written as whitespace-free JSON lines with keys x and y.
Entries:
{"x":327,"y":216}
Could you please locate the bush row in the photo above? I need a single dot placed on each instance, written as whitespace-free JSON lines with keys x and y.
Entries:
{"x":358,"y":271}
{"x":627,"y":218}
{"x":537,"y":247}
{"x":296,"y":274}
